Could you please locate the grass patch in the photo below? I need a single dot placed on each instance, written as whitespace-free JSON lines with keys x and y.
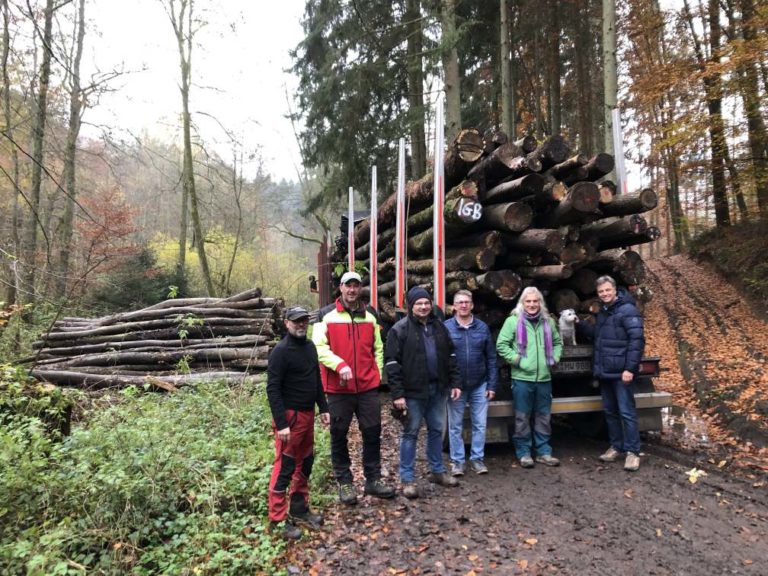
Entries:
{"x":156,"y":484}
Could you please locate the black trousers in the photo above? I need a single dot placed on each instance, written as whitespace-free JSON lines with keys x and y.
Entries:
{"x":367,"y":408}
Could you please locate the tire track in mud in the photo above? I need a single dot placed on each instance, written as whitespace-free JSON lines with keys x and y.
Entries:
{"x":584,"y":517}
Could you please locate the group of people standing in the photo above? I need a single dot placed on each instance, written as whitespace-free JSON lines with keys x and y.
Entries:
{"x":435,"y":370}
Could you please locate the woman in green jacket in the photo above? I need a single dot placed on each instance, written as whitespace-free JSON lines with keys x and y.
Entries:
{"x":530,"y":343}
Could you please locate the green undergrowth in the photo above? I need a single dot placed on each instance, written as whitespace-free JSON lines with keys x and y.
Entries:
{"x":154,"y":484}
{"x":740,"y":253}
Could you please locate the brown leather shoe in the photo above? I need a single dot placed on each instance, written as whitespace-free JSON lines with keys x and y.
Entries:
{"x":443,"y":478}
{"x":410,"y":490}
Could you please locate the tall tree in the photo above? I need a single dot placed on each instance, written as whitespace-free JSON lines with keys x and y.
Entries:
{"x":750,"y":93}
{"x":34,"y":222}
{"x":70,"y":154}
{"x":713,"y":90}
{"x":13,"y":175}
{"x":452,"y":80}
{"x":610,"y":71}
{"x":417,"y":112}
{"x":353,"y":94}
{"x":181,"y":15}
{"x":507,"y":86}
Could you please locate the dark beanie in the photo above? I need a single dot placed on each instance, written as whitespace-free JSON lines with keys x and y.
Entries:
{"x":417,"y":293}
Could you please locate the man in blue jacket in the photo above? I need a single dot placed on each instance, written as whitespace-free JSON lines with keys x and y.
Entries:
{"x":476,"y":357}
{"x":619,"y":340}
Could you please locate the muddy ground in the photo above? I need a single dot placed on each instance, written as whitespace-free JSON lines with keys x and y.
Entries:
{"x":584,"y":517}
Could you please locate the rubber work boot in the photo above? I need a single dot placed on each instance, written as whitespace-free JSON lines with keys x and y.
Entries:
{"x":632,"y":462}
{"x":347,"y":494}
{"x":290,"y":531}
{"x":478,"y":466}
{"x":443,"y":478}
{"x":457,"y":469}
{"x":610,"y":455}
{"x":379,"y":489}
{"x":410,"y":490}
{"x":547,"y":460}
{"x":526,"y":461}
{"x":309,"y":518}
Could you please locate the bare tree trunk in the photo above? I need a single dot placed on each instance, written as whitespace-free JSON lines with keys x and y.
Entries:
{"x":12,"y":285}
{"x":750,"y":92}
{"x":183,"y":28}
{"x":415,"y":44}
{"x":610,"y":75}
{"x":451,"y":70}
{"x":237,"y":192}
{"x":70,"y":152}
{"x":507,"y":96}
{"x":38,"y":133}
{"x":582,"y":79}
{"x":555,"y":72}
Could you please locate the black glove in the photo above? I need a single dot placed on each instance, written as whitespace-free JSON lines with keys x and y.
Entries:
{"x":400,"y":415}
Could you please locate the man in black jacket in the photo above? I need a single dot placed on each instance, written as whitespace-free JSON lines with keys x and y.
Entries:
{"x":422,"y":372}
{"x":293,"y":389}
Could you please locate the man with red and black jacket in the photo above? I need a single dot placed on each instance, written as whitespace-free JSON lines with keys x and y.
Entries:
{"x":351,"y":353}
{"x":293,"y":389}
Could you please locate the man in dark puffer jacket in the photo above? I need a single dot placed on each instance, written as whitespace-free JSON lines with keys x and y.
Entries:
{"x":422,"y":373}
{"x":619,"y":340}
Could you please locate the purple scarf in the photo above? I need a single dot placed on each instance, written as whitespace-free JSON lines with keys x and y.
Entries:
{"x":522,"y":335}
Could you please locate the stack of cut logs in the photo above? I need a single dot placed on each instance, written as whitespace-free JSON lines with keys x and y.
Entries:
{"x":172,"y":343}
{"x":516,"y":214}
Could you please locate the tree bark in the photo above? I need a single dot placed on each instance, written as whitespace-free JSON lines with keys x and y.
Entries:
{"x":452,"y":83}
{"x":415,"y":68}
{"x":70,"y":153}
{"x":509,"y":217}
{"x":38,"y":136}
{"x":626,"y":204}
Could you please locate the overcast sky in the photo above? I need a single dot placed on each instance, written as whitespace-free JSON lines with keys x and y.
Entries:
{"x":237,"y":68}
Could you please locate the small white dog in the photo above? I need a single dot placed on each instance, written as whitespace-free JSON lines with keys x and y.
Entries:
{"x":567,"y":326}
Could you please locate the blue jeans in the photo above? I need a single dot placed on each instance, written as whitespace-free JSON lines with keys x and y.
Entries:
{"x":433,"y":411}
{"x":621,"y":415}
{"x":478,"y":412}
{"x":532,"y":399}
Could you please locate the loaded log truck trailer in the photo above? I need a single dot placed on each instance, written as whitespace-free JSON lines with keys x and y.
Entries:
{"x":575,"y":392}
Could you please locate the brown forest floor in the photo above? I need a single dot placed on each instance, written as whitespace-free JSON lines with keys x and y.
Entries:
{"x":586,"y":517}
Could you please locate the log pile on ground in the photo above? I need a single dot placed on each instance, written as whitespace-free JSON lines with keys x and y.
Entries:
{"x":172,"y":343}
{"x":516,"y":214}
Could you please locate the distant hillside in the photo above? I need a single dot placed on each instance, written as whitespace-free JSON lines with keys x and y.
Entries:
{"x":740,"y":253}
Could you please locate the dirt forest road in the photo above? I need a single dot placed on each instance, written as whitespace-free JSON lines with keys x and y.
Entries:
{"x":586,"y":517}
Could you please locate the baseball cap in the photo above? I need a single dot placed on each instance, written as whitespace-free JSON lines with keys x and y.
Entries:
{"x":296,"y":313}
{"x":350,"y":276}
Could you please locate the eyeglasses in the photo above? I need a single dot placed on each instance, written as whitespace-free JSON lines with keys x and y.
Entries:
{"x":463,"y":303}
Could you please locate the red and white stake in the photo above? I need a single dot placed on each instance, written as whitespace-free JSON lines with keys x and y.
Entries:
{"x":438,"y":233}
{"x":400,"y":237}
{"x":374,"y":248}
{"x":351,"y":233}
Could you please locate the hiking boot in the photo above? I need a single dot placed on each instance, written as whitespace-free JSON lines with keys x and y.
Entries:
{"x":478,"y":467}
{"x":379,"y":489}
{"x":290,"y":531}
{"x":309,"y":518}
{"x":632,"y":462}
{"x":457,"y":469}
{"x":547,"y":460}
{"x":410,"y":490}
{"x":443,"y":478}
{"x":610,"y":455}
{"x":526,"y":461}
{"x":347,"y":494}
